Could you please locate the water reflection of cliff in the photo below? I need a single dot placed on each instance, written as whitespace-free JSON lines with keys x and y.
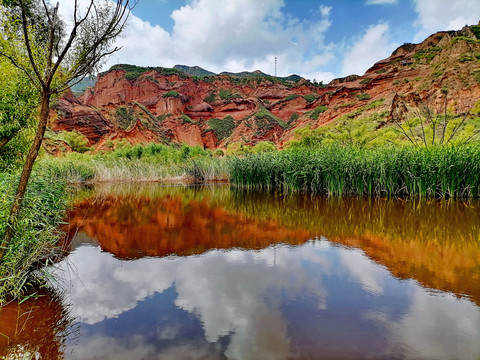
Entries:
{"x":35,"y":329}
{"x":435,"y":243}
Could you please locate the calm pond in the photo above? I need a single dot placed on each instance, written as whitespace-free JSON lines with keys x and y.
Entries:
{"x":214,"y":272}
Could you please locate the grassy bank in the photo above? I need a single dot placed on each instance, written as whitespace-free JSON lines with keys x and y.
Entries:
{"x":153,"y":162}
{"x":36,"y":235}
{"x":449,"y":172}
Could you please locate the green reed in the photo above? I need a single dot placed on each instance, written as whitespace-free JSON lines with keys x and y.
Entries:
{"x":442,"y":171}
{"x":36,"y":232}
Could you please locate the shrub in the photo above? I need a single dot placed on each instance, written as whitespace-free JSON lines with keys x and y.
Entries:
{"x":264,"y":146}
{"x":76,"y":140}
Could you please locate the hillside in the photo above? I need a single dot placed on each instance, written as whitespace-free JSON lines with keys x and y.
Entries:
{"x":158,"y":104}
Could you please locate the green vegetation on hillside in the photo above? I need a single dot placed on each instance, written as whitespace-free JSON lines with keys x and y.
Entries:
{"x":223,"y":128}
{"x":133,"y":72}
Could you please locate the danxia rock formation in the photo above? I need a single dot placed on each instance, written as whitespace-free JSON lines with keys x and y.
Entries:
{"x":168,"y":105}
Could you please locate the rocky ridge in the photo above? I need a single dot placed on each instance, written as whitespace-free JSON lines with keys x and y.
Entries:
{"x":167,"y":105}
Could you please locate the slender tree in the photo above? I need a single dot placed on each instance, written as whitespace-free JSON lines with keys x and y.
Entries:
{"x":53,"y":55}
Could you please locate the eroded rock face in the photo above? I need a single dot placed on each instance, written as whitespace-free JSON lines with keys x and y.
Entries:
{"x":159,"y":106}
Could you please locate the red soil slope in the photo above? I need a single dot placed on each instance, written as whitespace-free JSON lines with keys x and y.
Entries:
{"x":160,"y":105}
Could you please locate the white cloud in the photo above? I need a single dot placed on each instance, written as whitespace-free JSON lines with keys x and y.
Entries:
{"x":372,"y":47}
{"x":228,"y":36}
{"x":437,"y":15}
{"x":381,"y":2}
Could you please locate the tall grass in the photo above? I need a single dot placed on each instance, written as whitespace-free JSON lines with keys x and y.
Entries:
{"x":448,"y":172}
{"x":36,"y":233}
{"x":153,"y":162}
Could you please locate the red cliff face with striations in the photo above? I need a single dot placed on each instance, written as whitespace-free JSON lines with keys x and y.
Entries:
{"x":158,"y":104}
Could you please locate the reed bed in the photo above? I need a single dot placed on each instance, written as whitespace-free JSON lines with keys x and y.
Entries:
{"x":434,"y":172}
{"x":36,"y":233}
{"x":151,"y":163}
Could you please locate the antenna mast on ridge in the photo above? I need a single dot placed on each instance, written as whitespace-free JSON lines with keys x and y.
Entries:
{"x":275,"y":66}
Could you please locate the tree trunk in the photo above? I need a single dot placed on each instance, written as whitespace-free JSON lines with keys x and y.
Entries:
{"x":27,"y":170}
{"x":3,"y":142}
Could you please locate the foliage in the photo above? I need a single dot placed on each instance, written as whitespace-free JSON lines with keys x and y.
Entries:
{"x":223,"y":128}
{"x":294,"y":117}
{"x":476,"y":30}
{"x":264,"y":114}
{"x":263,"y":147}
{"x":17,"y":114}
{"x":368,"y":80}
{"x":36,"y":233}
{"x":291,"y":97}
{"x":237,"y":149}
{"x":124,"y":117}
{"x":363,"y":96}
{"x":449,"y":172}
{"x":210,"y":98}
{"x":317,"y":111}
{"x":428,"y":54}
{"x":226,"y":94}
{"x":310,"y":98}
{"x":161,"y":118}
{"x":152,"y":162}
{"x":171,"y":93}
{"x":186,"y":119}
{"x":133,"y":72}
{"x":76,"y":140}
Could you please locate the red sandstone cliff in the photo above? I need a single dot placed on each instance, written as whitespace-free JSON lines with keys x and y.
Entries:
{"x":160,"y":104}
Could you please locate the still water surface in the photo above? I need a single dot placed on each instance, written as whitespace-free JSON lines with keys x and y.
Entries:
{"x":217,"y":273}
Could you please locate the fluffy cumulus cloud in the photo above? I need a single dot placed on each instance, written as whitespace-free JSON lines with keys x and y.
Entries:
{"x":230,"y":36}
{"x":436,"y":15}
{"x":373,"y":46}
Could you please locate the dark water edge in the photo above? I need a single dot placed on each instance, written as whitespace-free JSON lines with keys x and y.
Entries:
{"x":213,"y":272}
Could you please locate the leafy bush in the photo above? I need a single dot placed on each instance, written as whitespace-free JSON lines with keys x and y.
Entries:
{"x":264,"y":146}
{"x":76,"y":140}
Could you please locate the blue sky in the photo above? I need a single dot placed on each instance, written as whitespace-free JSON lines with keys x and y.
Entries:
{"x":319,"y":39}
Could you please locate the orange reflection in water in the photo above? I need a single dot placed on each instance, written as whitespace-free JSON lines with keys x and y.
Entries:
{"x":33,"y":329}
{"x":134,"y":227}
{"x":435,"y":243}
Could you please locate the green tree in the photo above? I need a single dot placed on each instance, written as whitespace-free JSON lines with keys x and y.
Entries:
{"x":17,"y":111}
{"x":35,"y":41}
